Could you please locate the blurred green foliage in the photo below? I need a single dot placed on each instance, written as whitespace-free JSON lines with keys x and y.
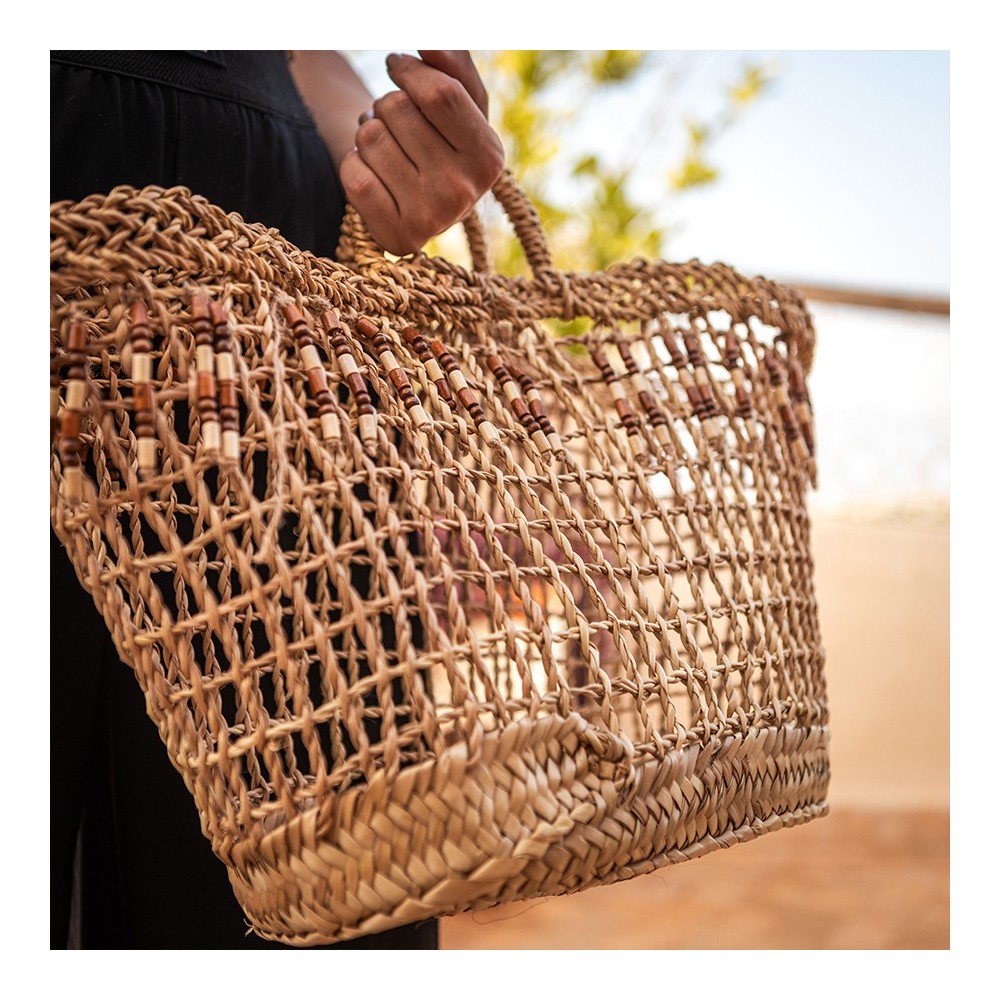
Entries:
{"x":590,"y":213}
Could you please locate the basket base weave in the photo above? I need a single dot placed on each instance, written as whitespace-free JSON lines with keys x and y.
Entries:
{"x":550,"y":806}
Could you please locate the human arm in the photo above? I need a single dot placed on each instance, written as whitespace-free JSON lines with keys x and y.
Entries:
{"x":424,"y":159}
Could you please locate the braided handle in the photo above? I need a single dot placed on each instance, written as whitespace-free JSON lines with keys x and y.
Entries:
{"x":357,"y":246}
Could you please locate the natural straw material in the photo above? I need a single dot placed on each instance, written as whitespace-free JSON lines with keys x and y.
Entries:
{"x":437,"y":604}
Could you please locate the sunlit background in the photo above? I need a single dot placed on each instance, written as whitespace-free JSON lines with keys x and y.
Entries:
{"x":828,"y":170}
{"x":825,"y":169}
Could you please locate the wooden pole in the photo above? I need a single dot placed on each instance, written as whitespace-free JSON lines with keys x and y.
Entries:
{"x":932,"y":305}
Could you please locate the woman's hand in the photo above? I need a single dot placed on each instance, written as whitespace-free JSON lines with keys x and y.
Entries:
{"x":426,"y":155}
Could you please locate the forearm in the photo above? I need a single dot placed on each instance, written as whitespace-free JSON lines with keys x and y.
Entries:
{"x":335,"y":96}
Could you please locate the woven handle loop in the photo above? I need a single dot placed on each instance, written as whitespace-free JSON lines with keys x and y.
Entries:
{"x":357,"y":245}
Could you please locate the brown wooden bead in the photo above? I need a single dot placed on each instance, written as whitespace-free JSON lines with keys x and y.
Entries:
{"x":706,"y":406}
{"x":220,"y":326}
{"x":443,"y":355}
{"x":536,"y":408}
{"x":139,"y":328}
{"x":732,"y":358}
{"x":646,"y":400}
{"x":779,"y":382}
{"x":679,"y":364}
{"x":426,"y":356}
{"x":803,"y":405}
{"x":228,"y":408}
{"x":692,"y":343}
{"x":471,"y":404}
{"x":669,"y":339}
{"x":773,"y":370}
{"x":622,"y":406}
{"x":228,"y":399}
{"x":356,"y":383}
{"x":366,"y":327}
{"x":316,"y":378}
{"x":381,"y":343}
{"x":72,"y":421}
{"x":401,"y":383}
{"x":206,"y":387}
{"x":626,"y":414}
{"x":201,"y":323}
{"x":731,"y":354}
{"x":534,"y":398}
{"x":382,"y":346}
{"x":517,"y":403}
{"x":744,"y":403}
{"x":294,"y":318}
{"x":626,"y":355}
{"x":523,"y":414}
{"x":465,"y":394}
{"x":317,"y":382}
{"x":655,"y":414}
{"x":142,"y":396}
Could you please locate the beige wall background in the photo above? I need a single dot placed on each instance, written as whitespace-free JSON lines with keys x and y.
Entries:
{"x":883,"y":592}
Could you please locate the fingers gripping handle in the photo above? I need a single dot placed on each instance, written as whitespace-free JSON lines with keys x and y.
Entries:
{"x":357,"y":246}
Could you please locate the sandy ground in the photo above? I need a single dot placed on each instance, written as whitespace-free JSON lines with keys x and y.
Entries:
{"x":874,"y":873}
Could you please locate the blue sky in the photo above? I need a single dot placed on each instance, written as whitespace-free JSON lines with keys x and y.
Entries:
{"x":839,"y":174}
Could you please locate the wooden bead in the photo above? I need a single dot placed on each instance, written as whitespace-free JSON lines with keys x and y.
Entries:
{"x":205,"y":387}
{"x":465,"y":394}
{"x":669,"y":339}
{"x":369,"y":328}
{"x":139,"y":328}
{"x":71,"y":425}
{"x":536,"y":408}
{"x":367,"y":424}
{"x":708,"y":407}
{"x":227,"y":397}
{"x":696,"y":387}
{"x":803,"y":405}
{"x":54,"y":384}
{"x":518,"y":405}
{"x":779,"y":384}
{"x":229,"y":413}
{"x":382,"y":346}
{"x":741,"y":380}
{"x":426,"y":356}
{"x":316,"y":380}
{"x":143,"y":396}
{"x":201,"y":322}
{"x":622,"y":405}
{"x":71,"y":447}
{"x":642,"y":387}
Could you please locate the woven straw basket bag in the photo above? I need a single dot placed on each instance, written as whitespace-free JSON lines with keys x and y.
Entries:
{"x":437,"y":604}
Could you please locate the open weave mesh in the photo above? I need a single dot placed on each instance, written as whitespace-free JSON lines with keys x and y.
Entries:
{"x":436,"y":603}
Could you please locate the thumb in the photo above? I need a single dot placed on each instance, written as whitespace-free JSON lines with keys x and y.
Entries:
{"x":459,"y":65}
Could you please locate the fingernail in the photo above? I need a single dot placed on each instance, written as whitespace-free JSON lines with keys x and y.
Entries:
{"x":391,"y":58}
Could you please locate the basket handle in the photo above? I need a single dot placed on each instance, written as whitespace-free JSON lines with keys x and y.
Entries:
{"x":356,"y":243}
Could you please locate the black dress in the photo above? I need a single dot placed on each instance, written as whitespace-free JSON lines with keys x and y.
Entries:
{"x":130,"y":867}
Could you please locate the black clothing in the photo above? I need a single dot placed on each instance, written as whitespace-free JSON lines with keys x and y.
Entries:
{"x":232,"y":127}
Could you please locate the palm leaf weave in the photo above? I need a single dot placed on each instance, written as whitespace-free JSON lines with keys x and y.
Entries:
{"x":434,"y":607}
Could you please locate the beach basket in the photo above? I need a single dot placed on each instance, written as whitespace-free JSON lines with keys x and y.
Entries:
{"x":445,"y":588}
